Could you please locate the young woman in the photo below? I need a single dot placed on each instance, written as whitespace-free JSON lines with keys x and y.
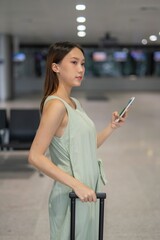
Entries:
{"x":72,"y":140}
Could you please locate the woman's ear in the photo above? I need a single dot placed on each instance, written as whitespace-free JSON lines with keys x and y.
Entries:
{"x":55,"y":67}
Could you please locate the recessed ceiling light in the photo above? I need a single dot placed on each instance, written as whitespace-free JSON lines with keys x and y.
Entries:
{"x":80,"y":7}
{"x":153,"y":38}
{"x":81,"y":27}
{"x":144,"y":41}
{"x":81,"y":19}
{"x":81,"y":34}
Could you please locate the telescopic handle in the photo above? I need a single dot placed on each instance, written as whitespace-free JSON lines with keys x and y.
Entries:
{"x":98,"y":195}
{"x":101,"y":196}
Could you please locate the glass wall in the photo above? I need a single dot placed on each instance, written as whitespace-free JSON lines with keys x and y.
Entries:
{"x":100,"y":62}
{"x":122,"y":62}
{"x":30,"y":62}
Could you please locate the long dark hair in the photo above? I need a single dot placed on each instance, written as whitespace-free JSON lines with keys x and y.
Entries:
{"x":56,"y":54}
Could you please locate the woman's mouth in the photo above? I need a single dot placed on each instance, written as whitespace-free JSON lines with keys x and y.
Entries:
{"x":79,"y":77}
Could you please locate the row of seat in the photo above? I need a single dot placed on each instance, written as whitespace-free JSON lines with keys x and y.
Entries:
{"x":18,"y":128}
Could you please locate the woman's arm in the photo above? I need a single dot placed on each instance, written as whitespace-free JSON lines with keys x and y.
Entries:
{"x":106,"y":132}
{"x":52,"y":121}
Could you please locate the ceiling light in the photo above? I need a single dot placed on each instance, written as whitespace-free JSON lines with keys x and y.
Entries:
{"x":144,"y":41}
{"x":81,"y":27}
{"x":80,"y":7}
{"x":81,"y":19}
{"x":81,"y":34}
{"x":153,"y":38}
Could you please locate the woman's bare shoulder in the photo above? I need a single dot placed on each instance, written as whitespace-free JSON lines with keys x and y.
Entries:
{"x":54,"y":107}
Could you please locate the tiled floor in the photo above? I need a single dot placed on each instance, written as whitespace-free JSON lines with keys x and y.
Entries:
{"x":132,"y":164}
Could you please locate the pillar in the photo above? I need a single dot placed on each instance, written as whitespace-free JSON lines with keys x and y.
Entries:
{"x":6,"y":68}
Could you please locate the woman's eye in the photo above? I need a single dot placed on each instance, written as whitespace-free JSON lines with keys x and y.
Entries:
{"x":74,"y":62}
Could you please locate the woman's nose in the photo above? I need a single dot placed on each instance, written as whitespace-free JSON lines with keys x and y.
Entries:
{"x":81,"y":68}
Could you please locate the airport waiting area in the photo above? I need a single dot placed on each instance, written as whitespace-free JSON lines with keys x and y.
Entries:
{"x":108,"y":52}
{"x":131,"y":158}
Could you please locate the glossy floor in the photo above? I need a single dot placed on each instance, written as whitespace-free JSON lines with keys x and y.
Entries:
{"x":132,"y":164}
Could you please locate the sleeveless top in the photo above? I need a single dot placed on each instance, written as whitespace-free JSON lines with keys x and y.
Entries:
{"x":75,"y":152}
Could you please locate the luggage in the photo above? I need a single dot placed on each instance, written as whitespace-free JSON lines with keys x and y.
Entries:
{"x":101,"y":197}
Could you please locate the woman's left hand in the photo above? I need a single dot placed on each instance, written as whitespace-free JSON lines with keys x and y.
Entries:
{"x":116,"y":121}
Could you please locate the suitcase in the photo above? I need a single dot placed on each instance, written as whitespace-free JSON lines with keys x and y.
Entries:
{"x":101,"y":197}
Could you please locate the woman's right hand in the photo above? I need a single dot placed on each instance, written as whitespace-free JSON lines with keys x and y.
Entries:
{"x":85,"y":193}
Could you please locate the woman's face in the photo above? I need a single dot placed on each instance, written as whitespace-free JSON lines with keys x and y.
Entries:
{"x":70,"y":70}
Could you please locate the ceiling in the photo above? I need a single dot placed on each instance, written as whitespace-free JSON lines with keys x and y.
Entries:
{"x":47,"y":21}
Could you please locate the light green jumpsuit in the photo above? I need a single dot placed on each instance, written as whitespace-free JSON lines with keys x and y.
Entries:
{"x":76,"y":154}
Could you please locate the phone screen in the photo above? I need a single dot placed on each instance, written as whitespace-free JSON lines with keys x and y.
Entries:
{"x":125,"y":108}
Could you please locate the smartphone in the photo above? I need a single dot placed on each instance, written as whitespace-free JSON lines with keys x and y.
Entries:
{"x":125,"y":108}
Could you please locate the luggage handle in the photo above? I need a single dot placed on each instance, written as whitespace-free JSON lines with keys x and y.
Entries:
{"x":101,"y":197}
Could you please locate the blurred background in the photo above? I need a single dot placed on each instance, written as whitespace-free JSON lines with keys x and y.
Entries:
{"x":121,"y":40}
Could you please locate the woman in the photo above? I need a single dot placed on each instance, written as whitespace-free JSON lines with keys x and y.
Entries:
{"x":72,"y":140}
